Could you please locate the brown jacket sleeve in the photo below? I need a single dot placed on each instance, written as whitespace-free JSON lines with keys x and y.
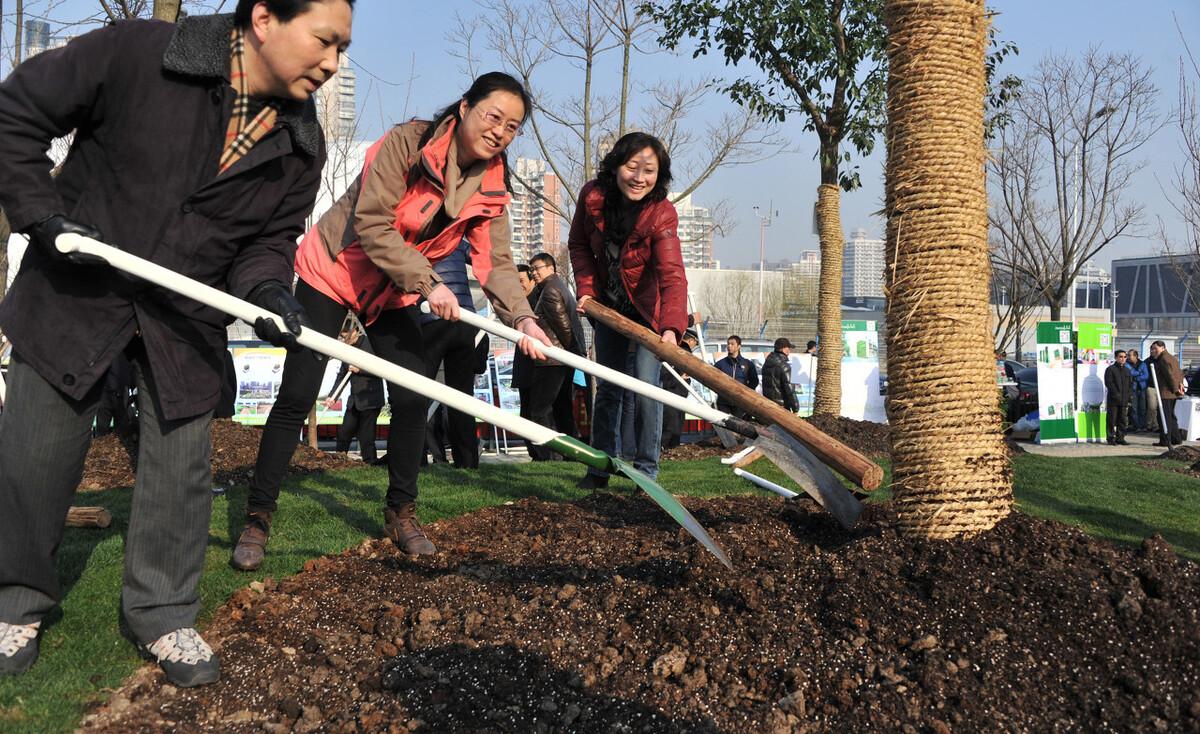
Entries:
{"x":381,"y":189}
{"x":492,"y":261}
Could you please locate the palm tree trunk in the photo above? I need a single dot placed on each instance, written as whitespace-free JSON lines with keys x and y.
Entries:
{"x":951,"y":472}
{"x":827,"y":398}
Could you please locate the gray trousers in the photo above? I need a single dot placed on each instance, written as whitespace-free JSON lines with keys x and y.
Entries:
{"x":44,"y":438}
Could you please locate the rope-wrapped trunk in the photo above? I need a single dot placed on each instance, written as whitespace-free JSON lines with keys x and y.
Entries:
{"x":827,"y":398}
{"x":951,"y":472}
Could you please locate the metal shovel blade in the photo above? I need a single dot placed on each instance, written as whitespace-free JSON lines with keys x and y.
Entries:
{"x":806,"y":470}
{"x":677,"y":511}
{"x":728,"y":439}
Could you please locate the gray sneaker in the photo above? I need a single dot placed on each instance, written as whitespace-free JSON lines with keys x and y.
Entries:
{"x":18,"y":647}
{"x":185,"y":657}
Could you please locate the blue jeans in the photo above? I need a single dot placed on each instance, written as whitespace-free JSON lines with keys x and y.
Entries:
{"x":1137,"y":409}
{"x":612,"y":350}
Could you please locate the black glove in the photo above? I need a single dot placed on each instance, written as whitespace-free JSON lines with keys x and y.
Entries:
{"x":277,"y":299}
{"x":43,"y":234}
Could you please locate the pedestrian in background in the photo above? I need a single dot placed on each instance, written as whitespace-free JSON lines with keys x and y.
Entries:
{"x":777,"y":376}
{"x":1170,"y":388}
{"x":740,"y":369}
{"x":1139,"y":375}
{"x":672,"y":427}
{"x":1118,"y":385}
{"x":363,"y":405}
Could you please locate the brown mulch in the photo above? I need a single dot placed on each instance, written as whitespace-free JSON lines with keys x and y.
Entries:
{"x":111,"y":460}
{"x":602,"y":616}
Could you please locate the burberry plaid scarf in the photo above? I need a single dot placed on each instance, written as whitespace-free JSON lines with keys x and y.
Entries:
{"x":242,"y":132}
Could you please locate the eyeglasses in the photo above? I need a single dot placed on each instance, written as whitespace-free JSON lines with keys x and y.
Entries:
{"x":539,"y":266}
{"x":493,"y":119}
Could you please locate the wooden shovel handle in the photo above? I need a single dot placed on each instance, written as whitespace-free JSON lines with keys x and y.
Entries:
{"x":837,"y":455}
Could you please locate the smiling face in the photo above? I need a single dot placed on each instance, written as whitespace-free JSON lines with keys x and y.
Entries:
{"x":636,"y":177}
{"x":291,"y":60}
{"x":488,"y":127}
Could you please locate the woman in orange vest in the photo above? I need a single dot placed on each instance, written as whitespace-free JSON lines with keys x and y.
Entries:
{"x":424,"y":189}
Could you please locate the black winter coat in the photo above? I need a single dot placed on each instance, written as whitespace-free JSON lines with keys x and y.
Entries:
{"x":1119,"y":384}
{"x":149,"y":102}
{"x":777,"y":381}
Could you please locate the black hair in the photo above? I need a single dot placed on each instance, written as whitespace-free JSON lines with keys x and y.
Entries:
{"x":1119,"y":352}
{"x":523,"y":268}
{"x":544,"y":257}
{"x":736,"y":338}
{"x":627,"y":147}
{"x":285,"y":10}
{"x":1160,"y":344}
{"x":811,"y":344}
{"x":480,"y":89}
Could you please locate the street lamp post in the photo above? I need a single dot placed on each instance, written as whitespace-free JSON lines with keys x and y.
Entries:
{"x":764,"y":221}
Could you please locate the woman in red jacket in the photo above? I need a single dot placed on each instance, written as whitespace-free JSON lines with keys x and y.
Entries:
{"x":425,"y":187}
{"x":625,"y":253}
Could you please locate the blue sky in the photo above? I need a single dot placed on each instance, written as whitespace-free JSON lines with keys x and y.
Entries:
{"x":394,"y":41}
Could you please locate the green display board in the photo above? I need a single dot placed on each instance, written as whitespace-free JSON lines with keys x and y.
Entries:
{"x":1056,"y":382}
{"x":1094,"y":356}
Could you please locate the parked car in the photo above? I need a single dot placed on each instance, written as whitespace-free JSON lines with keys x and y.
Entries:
{"x":1023,"y":397}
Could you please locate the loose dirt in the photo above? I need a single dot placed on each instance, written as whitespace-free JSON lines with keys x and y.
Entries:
{"x":602,"y":616}
{"x":111,"y":460}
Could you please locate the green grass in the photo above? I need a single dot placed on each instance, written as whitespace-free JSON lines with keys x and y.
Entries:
{"x":84,"y":655}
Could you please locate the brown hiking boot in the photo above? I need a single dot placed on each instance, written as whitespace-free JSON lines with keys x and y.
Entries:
{"x":402,"y":527}
{"x":252,"y":545}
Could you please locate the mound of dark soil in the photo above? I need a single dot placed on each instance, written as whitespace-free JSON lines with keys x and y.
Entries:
{"x":111,"y":460}
{"x":1190,"y":454}
{"x":865,"y":437}
{"x":696,"y":450}
{"x":601,"y":616}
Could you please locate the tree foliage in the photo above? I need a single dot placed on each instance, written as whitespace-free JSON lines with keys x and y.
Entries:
{"x":822,"y":59}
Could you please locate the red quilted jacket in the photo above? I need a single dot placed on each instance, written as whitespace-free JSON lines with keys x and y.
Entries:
{"x":651,"y":261}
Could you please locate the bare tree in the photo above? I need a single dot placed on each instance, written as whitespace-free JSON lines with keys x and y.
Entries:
{"x":535,"y":39}
{"x":1014,"y":297}
{"x":1185,"y":198}
{"x":1061,"y":177}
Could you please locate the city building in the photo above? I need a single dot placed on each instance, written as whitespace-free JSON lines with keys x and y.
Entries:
{"x":696,"y":227}
{"x":863,"y":263}
{"x":337,"y":105}
{"x":536,"y":225}
{"x":38,"y":39}
{"x":1158,"y":297}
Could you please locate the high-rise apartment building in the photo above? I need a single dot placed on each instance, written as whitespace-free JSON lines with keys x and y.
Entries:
{"x":336,"y":104}
{"x":38,"y":39}
{"x":862,"y":267}
{"x":536,"y":226}
{"x":696,"y":227}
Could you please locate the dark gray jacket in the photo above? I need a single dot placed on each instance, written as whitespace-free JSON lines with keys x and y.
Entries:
{"x":149,"y":103}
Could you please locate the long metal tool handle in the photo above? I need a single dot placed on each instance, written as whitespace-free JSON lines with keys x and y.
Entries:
{"x":569,"y":447}
{"x":608,"y":374}
{"x":310,"y":338}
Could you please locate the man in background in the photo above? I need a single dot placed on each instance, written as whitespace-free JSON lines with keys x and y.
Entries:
{"x":740,"y":369}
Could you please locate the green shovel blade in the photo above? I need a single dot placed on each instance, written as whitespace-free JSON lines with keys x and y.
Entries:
{"x":677,"y":511}
{"x":576,"y":450}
